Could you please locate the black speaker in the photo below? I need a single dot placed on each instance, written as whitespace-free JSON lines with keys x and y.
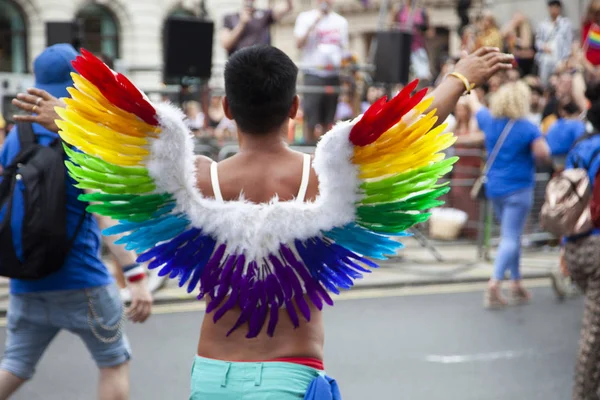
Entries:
{"x":187,"y":50}
{"x":392,"y":58}
{"x":62,"y":32}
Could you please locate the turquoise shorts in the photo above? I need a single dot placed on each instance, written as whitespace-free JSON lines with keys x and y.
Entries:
{"x":222,"y":380}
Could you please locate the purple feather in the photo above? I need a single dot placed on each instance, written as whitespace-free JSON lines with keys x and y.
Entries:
{"x":258,"y":317}
{"x":244,"y":315}
{"x":215,"y":259}
{"x":291,"y":310}
{"x":281,"y":274}
{"x":204,"y":254}
{"x":311,"y":282}
{"x":247,"y":310}
{"x":217,"y":299}
{"x":224,"y":284}
{"x":295,"y":264}
{"x":314,"y":296}
{"x":273,"y":319}
{"x":252,"y":270}
{"x":292,"y":279}
{"x":228,"y":268}
{"x":228,"y":305}
{"x":303,"y":306}
{"x":209,"y":278}
{"x":323,"y":293}
{"x":244,"y":291}
{"x":273,"y":289}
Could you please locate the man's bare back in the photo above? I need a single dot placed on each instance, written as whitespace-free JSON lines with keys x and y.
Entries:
{"x":260,"y":175}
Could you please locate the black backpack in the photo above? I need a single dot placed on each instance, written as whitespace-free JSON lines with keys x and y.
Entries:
{"x":33,"y":206}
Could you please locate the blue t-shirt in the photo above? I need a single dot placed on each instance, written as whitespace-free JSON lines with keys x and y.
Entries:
{"x":83,"y":267}
{"x":563,"y":134}
{"x":514,"y":167}
{"x":586,"y":155}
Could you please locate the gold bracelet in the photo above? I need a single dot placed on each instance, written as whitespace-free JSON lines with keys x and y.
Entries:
{"x":468,"y":85}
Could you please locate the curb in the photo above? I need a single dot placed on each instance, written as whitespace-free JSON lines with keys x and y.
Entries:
{"x":382,"y":285}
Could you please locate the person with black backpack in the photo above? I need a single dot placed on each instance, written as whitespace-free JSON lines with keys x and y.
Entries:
{"x":50,"y":248}
{"x":582,"y":254}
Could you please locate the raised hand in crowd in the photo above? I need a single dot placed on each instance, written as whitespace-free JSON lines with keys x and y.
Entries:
{"x":476,"y":69}
{"x":41,"y":106}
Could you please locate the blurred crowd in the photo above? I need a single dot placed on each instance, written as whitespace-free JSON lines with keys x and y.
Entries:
{"x":555,"y":65}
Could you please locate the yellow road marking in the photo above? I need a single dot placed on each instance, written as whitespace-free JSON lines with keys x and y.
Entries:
{"x":363,"y":294}
{"x":357,"y":294}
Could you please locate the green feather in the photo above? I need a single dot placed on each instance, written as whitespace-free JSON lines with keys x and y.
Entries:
{"x":99,"y":165}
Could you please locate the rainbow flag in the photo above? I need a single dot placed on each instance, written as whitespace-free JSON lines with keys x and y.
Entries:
{"x":593,"y":39}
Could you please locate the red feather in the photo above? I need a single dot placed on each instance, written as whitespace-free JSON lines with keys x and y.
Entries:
{"x":383,"y":115}
{"x":115,"y":87}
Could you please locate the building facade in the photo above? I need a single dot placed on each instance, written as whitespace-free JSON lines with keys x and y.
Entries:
{"x":130,"y":31}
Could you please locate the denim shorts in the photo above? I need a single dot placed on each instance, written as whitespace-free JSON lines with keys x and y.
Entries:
{"x":93,"y":314}
{"x":222,"y":380}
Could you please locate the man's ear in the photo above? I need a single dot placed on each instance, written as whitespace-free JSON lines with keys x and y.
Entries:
{"x":226,"y":108}
{"x":295,"y":107}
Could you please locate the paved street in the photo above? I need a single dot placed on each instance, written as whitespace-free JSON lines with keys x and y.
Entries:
{"x":413,"y":343}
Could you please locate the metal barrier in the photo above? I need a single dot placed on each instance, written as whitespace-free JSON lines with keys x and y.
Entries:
{"x":481,"y":228}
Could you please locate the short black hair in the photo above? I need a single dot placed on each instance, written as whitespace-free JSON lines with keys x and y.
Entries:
{"x":555,"y":3}
{"x":260,"y":85}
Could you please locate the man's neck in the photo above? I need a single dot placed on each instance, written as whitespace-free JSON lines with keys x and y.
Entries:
{"x":554,"y":19}
{"x":267,"y":143}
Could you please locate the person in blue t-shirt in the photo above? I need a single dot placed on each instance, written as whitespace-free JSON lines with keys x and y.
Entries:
{"x":564,"y":133}
{"x":81,"y":297}
{"x":510,"y":179}
{"x":582,"y":258}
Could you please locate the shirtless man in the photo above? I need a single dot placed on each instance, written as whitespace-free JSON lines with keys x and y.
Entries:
{"x":260,"y":85}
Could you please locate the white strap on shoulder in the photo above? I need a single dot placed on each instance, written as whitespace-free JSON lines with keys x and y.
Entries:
{"x":214,"y":180}
{"x":305,"y":178}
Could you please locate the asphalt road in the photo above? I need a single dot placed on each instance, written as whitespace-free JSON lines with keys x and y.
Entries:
{"x":429,"y":346}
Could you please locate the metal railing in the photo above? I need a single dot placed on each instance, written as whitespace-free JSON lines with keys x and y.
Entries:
{"x":481,"y":228}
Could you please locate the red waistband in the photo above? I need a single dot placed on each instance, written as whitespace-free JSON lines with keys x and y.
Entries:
{"x":307,"y":362}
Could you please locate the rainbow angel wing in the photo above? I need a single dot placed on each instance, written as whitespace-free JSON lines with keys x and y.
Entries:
{"x":377,"y":177}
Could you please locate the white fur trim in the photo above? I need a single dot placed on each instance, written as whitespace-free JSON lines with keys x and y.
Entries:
{"x":255,"y":229}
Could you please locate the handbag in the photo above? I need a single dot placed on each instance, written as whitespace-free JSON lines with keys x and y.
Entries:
{"x":477,"y":191}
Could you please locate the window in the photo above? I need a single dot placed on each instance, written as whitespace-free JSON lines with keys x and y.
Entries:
{"x":181,"y":12}
{"x":99,"y":30}
{"x":13,"y":51}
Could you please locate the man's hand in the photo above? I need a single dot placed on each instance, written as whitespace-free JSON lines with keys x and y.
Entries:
{"x":141,"y":301}
{"x":39,"y":102}
{"x":480,"y":66}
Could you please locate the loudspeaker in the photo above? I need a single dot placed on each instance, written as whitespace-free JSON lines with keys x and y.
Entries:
{"x":392,"y":58}
{"x":187,"y":50}
{"x":462,"y":9}
{"x":62,"y":32}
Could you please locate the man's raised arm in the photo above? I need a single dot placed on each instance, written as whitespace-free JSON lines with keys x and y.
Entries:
{"x":477,"y":68}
